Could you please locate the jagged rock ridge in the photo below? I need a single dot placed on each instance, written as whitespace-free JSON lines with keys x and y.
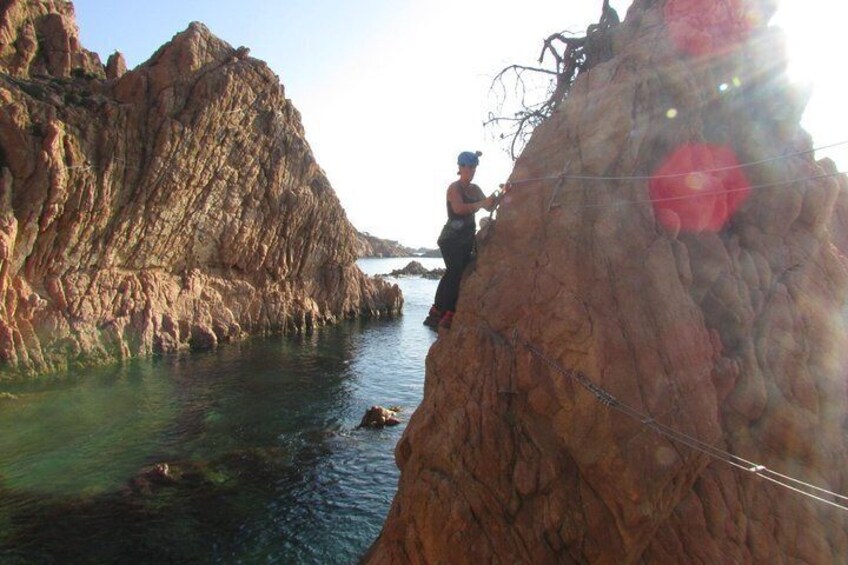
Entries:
{"x":372,"y":246}
{"x":176,"y":205}
{"x":713,"y":305}
{"x":41,"y":38}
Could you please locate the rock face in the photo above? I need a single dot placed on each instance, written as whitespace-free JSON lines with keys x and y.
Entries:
{"x":177,"y":205}
{"x":41,"y":38}
{"x":116,"y":66}
{"x":613,"y":332}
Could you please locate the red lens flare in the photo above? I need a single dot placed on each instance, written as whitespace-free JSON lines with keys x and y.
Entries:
{"x":698,"y":188}
{"x":708,"y":27}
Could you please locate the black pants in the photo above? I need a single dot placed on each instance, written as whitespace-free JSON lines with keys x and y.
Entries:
{"x":457,"y":255}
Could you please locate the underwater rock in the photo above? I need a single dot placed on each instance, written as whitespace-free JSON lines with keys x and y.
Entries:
{"x":227,"y":469}
{"x":149,"y":478}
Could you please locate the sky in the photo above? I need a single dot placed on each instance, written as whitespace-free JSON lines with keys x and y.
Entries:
{"x":390,"y":91}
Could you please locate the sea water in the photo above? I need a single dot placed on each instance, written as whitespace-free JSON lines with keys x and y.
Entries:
{"x":265,"y":463}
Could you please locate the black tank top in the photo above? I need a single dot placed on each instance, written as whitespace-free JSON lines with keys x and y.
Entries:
{"x":459,"y":226}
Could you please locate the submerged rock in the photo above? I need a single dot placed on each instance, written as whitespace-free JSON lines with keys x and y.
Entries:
{"x":185,"y":511}
{"x":208,"y":476}
{"x":620,"y":341}
{"x":153,"y":476}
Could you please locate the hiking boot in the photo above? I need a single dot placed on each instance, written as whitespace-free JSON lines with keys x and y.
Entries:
{"x":446,"y":320}
{"x":433,"y":317}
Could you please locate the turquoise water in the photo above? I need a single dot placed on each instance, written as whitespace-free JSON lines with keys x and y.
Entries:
{"x":265,"y":464}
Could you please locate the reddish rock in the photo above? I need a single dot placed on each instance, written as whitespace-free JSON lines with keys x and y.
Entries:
{"x":42,"y":38}
{"x":585,"y":325}
{"x":379,"y":417}
{"x":178,"y":206}
{"x":116,"y":66}
{"x":371,"y":246}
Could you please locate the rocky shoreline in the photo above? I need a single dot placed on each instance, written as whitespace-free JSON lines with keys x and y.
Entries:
{"x":174,"y":206}
{"x":371,"y":246}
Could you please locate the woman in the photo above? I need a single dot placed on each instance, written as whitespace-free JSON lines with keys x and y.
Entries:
{"x":456,"y":241}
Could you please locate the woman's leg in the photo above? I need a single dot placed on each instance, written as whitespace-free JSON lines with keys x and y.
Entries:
{"x":457,"y":255}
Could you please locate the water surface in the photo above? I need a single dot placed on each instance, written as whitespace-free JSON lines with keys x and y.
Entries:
{"x":265,"y":463}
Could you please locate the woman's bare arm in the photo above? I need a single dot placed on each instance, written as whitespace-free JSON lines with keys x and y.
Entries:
{"x":466,"y":208}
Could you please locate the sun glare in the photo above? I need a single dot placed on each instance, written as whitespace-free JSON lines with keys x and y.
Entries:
{"x":815,"y":31}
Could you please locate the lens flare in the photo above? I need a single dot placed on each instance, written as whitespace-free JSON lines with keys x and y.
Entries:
{"x":708,"y":27}
{"x":698,"y":187}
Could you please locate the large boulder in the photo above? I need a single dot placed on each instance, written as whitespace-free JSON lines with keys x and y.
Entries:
{"x":177,"y":205}
{"x":635,"y":363}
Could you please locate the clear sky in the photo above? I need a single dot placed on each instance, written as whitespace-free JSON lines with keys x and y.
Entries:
{"x":390,"y":91}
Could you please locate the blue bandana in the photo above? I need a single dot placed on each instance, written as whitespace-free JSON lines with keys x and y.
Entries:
{"x":468,"y":158}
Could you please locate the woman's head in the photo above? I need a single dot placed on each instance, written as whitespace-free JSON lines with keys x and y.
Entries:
{"x":467,"y":162}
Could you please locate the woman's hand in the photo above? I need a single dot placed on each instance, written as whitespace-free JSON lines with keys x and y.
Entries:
{"x":489,"y":202}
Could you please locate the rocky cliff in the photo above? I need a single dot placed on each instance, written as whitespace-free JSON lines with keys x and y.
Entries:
{"x":372,"y":246}
{"x":177,"y":205}
{"x":653,"y":335}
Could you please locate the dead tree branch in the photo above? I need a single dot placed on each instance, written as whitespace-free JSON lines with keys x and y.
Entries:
{"x":571,"y":56}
